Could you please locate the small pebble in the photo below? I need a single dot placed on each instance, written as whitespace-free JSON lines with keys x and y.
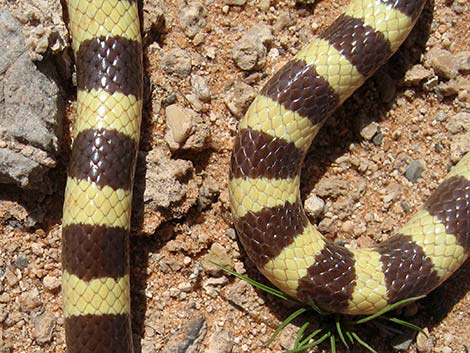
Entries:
{"x":220,"y":342}
{"x":424,"y":343}
{"x":200,"y":88}
{"x":180,"y":122}
{"x":218,"y":255}
{"x":177,"y":62}
{"x":369,"y":131}
{"x":314,"y":206}
{"x":51,"y":283}
{"x":250,"y":51}
{"x":443,"y":62}
{"x":192,"y":17}
{"x":414,"y":170}
{"x":43,"y":327}
{"x":21,"y":262}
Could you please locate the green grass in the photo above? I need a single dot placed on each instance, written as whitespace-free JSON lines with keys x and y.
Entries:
{"x":332,"y":328}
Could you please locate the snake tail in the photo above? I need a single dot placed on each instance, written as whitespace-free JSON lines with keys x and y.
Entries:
{"x":106,"y":42}
{"x":264,"y":181}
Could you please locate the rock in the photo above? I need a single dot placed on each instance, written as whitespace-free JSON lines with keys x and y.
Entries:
{"x":463,"y":62}
{"x":11,"y":40}
{"x":200,"y":88}
{"x":177,"y":62}
{"x":163,"y":179}
{"x":238,"y":98}
{"x":179,"y":121}
{"x":194,"y":101}
{"x":369,"y":131}
{"x":220,"y":342}
{"x":187,"y":338}
{"x":29,"y":128}
{"x":192,"y":17}
{"x":154,"y":21}
{"x":51,"y":283}
{"x":43,"y":26}
{"x":460,"y":122}
{"x":459,"y":146}
{"x":443,"y":62}
{"x":284,"y":20}
{"x":212,"y":285}
{"x":250,"y":51}
{"x":44,"y":327}
{"x":314,"y":206}
{"x":414,"y":170}
{"x":198,"y":139}
{"x":208,"y":193}
{"x":216,"y":255}
{"x":240,"y":293}
{"x":335,"y":187}
{"x":169,"y":190}
{"x":21,"y":262}
{"x":30,"y":300}
{"x":417,"y":74}
{"x":440,"y":116}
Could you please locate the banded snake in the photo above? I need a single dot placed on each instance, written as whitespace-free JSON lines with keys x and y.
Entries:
{"x":269,"y":149}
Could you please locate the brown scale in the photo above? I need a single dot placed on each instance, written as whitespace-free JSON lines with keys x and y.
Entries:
{"x":110,"y":64}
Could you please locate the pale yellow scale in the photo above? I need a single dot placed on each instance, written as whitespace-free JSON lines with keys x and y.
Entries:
{"x":332,"y":66}
{"x":391,"y":23}
{"x":102,"y":110}
{"x":442,"y":248}
{"x":370,"y":291}
{"x":90,"y":19}
{"x":253,"y":195}
{"x":272,"y":118}
{"x":87,"y":203}
{"x":285,"y":270}
{"x":96,"y":297}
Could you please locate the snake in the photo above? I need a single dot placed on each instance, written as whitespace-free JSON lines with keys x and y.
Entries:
{"x":263,"y":183}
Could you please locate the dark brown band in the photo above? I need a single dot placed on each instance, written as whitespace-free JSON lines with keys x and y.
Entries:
{"x":99,"y":334}
{"x":450,"y":203}
{"x":111,"y":64}
{"x":266,"y":233}
{"x":410,"y":8}
{"x":104,"y":157}
{"x":299,"y":88}
{"x":330,"y":281}
{"x":93,"y":251}
{"x":257,"y":154}
{"x":408,"y":271}
{"x":364,"y":47}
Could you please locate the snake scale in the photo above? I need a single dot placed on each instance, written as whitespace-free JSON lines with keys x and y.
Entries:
{"x":265,"y":167}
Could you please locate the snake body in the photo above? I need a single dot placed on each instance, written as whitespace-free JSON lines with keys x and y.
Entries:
{"x":268,"y":152}
{"x":106,"y":41}
{"x":264,"y":178}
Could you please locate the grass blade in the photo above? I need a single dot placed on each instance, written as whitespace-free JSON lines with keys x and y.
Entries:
{"x":301,"y":332}
{"x":310,"y":336}
{"x":286,"y":322}
{"x":333,"y":344}
{"x":340,"y":333}
{"x":363,"y":343}
{"x":404,"y":323}
{"x":263,"y":287}
{"x":387,"y":309}
{"x":310,"y":345}
{"x":350,"y":337}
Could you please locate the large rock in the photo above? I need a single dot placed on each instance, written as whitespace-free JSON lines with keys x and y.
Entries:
{"x":31,"y":112}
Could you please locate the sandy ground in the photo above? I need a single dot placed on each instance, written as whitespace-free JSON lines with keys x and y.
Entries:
{"x":170,"y":286}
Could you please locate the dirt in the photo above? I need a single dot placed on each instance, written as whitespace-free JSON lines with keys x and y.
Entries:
{"x":170,"y":283}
